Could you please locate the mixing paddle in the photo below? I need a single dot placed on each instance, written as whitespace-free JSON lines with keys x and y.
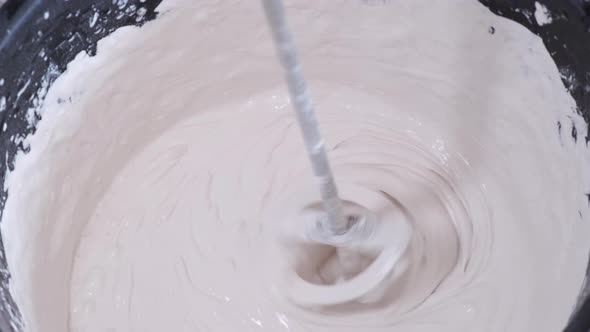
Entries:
{"x":348,"y":233}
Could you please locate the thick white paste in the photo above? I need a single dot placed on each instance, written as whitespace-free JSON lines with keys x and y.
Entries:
{"x":163,"y":165}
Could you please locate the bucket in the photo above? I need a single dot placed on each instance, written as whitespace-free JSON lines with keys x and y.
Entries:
{"x":38,"y":38}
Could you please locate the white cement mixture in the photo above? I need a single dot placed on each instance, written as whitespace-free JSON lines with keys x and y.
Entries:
{"x":151,"y":196}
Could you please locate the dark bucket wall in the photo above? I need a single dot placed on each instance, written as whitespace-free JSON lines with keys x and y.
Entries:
{"x":38,"y":38}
